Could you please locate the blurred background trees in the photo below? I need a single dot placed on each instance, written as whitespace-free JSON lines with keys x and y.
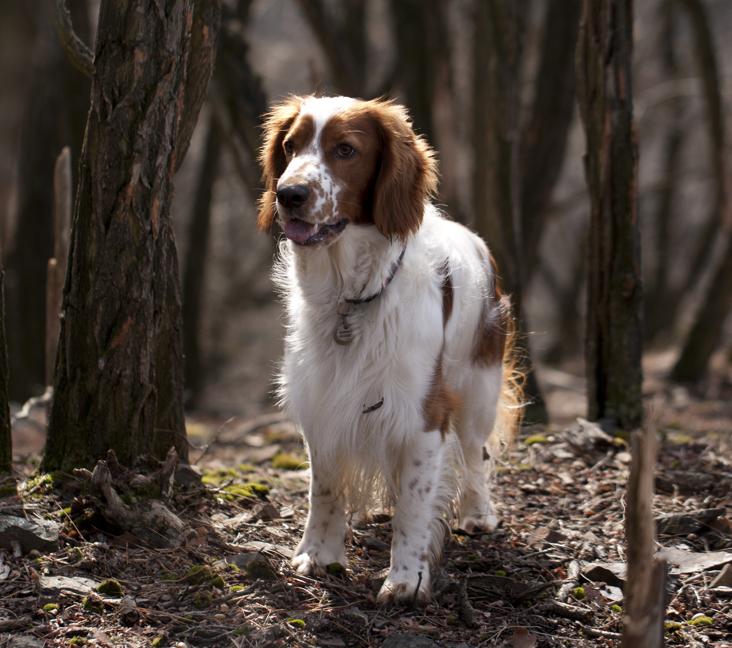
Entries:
{"x":492,"y":84}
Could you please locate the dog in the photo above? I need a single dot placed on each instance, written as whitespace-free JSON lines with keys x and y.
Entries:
{"x":397,"y":364}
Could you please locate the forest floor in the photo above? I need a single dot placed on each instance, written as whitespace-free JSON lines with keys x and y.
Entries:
{"x":550,"y":575}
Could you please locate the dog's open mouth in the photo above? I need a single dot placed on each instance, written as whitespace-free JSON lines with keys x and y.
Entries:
{"x":304,"y":233}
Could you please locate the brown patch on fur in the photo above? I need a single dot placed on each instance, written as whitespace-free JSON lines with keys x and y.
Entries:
{"x":448,"y":294}
{"x":272,"y":156}
{"x":496,"y":322}
{"x":440,"y":403}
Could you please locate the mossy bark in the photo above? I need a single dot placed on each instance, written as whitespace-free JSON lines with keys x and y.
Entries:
{"x":604,"y":90}
{"x":119,"y":371}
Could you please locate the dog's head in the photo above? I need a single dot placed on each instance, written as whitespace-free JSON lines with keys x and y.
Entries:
{"x":329,"y":162}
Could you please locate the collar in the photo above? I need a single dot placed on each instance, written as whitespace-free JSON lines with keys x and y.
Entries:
{"x":394,"y":268}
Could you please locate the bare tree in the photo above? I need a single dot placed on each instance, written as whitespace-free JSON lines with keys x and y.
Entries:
{"x":54,"y":116}
{"x":119,"y":374}
{"x":544,"y":140}
{"x":6,"y":445}
{"x":605,"y":96}
{"x":497,"y":56}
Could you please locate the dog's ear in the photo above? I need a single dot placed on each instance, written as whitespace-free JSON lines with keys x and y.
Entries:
{"x":272,"y":156}
{"x":407,"y":175}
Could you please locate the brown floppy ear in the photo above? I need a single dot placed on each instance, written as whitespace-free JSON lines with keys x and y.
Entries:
{"x":407,"y":175}
{"x":272,"y":156}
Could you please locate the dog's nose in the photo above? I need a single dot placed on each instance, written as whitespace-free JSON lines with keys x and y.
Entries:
{"x":293,"y":195}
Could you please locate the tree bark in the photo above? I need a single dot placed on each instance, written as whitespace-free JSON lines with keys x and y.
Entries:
{"x":544,"y":140}
{"x":497,"y":54}
{"x":645,"y":591}
{"x":119,"y":372}
{"x":56,"y":107}
{"x":6,"y":444}
{"x":604,"y":92}
{"x":194,"y":276}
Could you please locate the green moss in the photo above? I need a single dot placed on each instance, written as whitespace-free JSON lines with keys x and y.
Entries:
{"x":335,"y":568}
{"x":218,"y":477}
{"x":236,"y":588}
{"x":260,"y":568}
{"x":616,"y":608}
{"x":157,"y":641}
{"x":8,"y":488}
{"x":535,"y":438}
{"x":579,"y":593}
{"x":500,"y":572}
{"x":204,"y":576}
{"x":246,"y":468}
{"x":78,"y":641}
{"x":296,"y":623}
{"x":92,"y":604}
{"x":202,"y":599}
{"x":701,"y":620}
{"x":41,"y":483}
{"x":288,"y":461}
{"x":110,"y":587}
{"x":673,"y":625}
{"x":250,"y":490}
{"x":50,"y":607}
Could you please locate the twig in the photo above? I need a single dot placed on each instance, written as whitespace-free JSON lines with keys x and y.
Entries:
{"x":77,"y":50}
{"x":570,"y":582}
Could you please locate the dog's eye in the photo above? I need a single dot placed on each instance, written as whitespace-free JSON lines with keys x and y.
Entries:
{"x":345,"y":151}
{"x":289,"y":147}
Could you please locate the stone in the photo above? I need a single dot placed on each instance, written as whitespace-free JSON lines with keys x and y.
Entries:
{"x":52,"y":586}
{"x":38,"y":534}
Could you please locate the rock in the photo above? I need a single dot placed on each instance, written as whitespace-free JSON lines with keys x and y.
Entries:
{"x":25,"y":641}
{"x":409,"y":641}
{"x":612,"y":573}
{"x":187,"y":476}
{"x":53,"y":586}
{"x":724,"y":578}
{"x":267,"y":547}
{"x":691,"y":562}
{"x":254,"y":564}
{"x":128,"y":612}
{"x":688,"y":522}
{"x":38,"y":534}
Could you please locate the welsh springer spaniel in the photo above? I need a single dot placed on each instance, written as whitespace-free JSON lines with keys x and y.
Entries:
{"x":394,"y":359}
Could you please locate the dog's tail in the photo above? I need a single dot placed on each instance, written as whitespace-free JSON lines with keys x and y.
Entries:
{"x":511,"y":401}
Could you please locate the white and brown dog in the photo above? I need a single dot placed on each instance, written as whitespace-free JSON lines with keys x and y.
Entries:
{"x":395,"y":363}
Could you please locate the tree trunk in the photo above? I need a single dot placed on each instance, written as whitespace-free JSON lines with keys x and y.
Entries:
{"x":604,"y":90}
{"x":544,"y":141}
{"x":54,"y":117}
{"x":6,"y":444}
{"x":706,"y":334}
{"x":497,"y":53}
{"x":661,"y":305}
{"x":119,"y":372}
{"x":194,"y":275}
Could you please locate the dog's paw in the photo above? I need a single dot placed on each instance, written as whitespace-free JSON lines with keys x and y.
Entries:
{"x":311,"y":563}
{"x":478,"y":523}
{"x":405,"y":589}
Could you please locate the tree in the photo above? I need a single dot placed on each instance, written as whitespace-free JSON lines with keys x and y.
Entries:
{"x":6,"y":446}
{"x":605,"y":97}
{"x":119,"y":371}
{"x":54,"y":116}
{"x":497,"y":56}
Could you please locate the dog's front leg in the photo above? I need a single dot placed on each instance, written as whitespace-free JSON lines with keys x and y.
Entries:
{"x":323,"y":541}
{"x":417,"y":534}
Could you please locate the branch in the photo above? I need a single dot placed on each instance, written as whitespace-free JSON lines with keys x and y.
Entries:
{"x":79,"y":53}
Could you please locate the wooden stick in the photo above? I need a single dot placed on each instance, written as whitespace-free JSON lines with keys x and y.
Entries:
{"x":645,"y":590}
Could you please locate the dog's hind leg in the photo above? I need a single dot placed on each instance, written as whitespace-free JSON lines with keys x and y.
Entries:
{"x":480,"y":402}
{"x":323,"y":541}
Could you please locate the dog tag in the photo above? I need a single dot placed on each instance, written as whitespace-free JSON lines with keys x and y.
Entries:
{"x":344,"y":332}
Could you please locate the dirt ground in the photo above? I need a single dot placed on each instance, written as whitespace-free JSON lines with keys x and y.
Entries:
{"x":550,"y":575}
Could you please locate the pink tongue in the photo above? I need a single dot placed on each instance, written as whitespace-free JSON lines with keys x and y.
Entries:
{"x":299,"y":231}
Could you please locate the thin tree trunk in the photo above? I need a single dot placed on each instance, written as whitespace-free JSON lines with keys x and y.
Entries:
{"x":660,"y":305}
{"x":194,"y":275}
{"x":706,"y":334}
{"x":6,"y":445}
{"x":544,"y":141}
{"x":708,"y":67}
{"x":54,"y":117}
{"x":119,"y":373}
{"x":604,"y":90}
{"x":497,"y":53}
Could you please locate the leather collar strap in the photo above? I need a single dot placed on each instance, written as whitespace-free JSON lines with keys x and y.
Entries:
{"x":394,"y":268}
